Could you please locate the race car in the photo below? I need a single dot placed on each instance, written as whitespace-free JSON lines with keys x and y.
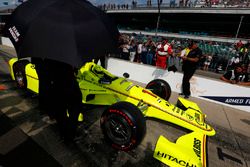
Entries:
{"x":123,"y":122}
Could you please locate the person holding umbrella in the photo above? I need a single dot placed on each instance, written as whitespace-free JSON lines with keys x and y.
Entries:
{"x":59,"y":94}
{"x":60,"y":36}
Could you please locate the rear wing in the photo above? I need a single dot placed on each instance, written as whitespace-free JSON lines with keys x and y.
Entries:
{"x":189,"y":150}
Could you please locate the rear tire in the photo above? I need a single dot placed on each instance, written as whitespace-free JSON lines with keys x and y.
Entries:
{"x":160,"y":88}
{"x":123,"y":126}
{"x":19,"y":73}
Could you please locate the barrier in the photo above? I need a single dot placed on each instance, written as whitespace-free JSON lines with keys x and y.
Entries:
{"x":208,"y":89}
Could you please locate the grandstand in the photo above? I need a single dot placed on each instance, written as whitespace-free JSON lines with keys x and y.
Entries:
{"x":219,"y":47}
{"x":185,"y":22}
{"x":121,"y":4}
{"x":217,"y":28}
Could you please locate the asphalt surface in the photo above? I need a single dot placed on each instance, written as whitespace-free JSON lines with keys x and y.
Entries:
{"x":29,"y":138}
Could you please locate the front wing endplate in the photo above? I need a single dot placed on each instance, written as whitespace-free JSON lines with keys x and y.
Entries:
{"x":189,"y":150}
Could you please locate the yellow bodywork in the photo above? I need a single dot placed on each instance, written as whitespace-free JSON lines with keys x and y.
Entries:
{"x":150,"y":104}
{"x":189,"y":150}
{"x":11,"y":63}
{"x":120,"y":89}
{"x":32,"y":78}
{"x":31,"y":75}
{"x":99,"y":87}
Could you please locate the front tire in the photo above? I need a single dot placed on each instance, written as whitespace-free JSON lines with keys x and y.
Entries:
{"x":123,"y":126}
{"x":160,"y":88}
{"x":19,"y":73}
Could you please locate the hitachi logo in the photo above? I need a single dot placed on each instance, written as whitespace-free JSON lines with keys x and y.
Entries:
{"x":178,"y":161}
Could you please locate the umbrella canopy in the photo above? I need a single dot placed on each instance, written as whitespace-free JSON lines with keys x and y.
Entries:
{"x":70,"y":31}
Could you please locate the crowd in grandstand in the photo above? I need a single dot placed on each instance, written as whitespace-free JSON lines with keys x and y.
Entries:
{"x":113,"y":6}
{"x":217,"y":56}
{"x":179,"y":3}
{"x":222,"y":3}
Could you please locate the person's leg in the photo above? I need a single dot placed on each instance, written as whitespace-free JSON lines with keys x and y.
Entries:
{"x":45,"y":87}
{"x":147,"y":58}
{"x":61,"y":78}
{"x":74,"y":108}
{"x":138,"y":58}
{"x":162,"y":62}
{"x":157,"y":61}
{"x":166,"y":62}
{"x":144,"y":55}
{"x":150,"y":58}
{"x":61,"y":118}
{"x":170,"y":61}
{"x":127,"y":56}
{"x":123,"y":56}
{"x":96,"y":60}
{"x":132,"y":56}
{"x":103,"y":63}
{"x":71,"y":96}
{"x":187,"y":75}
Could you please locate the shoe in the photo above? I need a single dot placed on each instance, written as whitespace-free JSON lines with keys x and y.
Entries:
{"x":181,"y":94}
{"x":186,"y":96}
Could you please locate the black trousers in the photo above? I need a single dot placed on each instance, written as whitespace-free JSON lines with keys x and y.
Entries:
{"x":187,"y":75}
{"x":59,"y":93}
{"x":102,"y":60}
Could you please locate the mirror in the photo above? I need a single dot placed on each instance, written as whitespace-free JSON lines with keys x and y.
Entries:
{"x":125,"y":75}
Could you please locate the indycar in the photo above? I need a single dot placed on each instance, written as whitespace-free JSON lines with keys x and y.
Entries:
{"x":123,"y":122}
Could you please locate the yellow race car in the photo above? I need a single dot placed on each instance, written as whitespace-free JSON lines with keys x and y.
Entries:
{"x":123,"y":122}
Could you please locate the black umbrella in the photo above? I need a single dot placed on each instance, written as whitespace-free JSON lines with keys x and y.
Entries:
{"x":71,"y":31}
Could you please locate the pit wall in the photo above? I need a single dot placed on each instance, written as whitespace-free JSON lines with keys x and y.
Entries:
{"x":204,"y":88}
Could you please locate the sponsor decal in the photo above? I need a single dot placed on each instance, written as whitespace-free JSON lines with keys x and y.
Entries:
{"x":178,"y":110}
{"x":243,"y":101}
{"x":122,"y":114}
{"x":174,"y":159}
{"x":199,"y":119}
{"x":14,"y":33}
{"x":191,"y":118}
{"x":197,"y":148}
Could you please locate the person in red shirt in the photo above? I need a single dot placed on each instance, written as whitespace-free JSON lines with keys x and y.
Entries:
{"x":163,"y":51}
{"x":239,"y":44}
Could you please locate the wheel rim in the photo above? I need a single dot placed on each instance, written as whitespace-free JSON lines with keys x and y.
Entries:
{"x":19,"y":79}
{"x":118,"y":130}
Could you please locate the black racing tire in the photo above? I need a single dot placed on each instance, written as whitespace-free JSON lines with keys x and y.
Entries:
{"x":19,"y":73}
{"x":160,"y":88}
{"x":123,"y":126}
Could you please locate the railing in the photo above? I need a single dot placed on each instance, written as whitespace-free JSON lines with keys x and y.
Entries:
{"x":170,"y":5}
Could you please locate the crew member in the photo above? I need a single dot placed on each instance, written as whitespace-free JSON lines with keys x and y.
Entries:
{"x":190,"y":64}
{"x":59,"y":94}
{"x":163,"y":51}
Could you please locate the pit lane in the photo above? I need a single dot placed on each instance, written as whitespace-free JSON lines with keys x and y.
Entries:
{"x":25,"y":125}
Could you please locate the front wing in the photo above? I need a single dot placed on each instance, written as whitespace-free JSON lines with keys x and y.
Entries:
{"x":189,"y":150}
